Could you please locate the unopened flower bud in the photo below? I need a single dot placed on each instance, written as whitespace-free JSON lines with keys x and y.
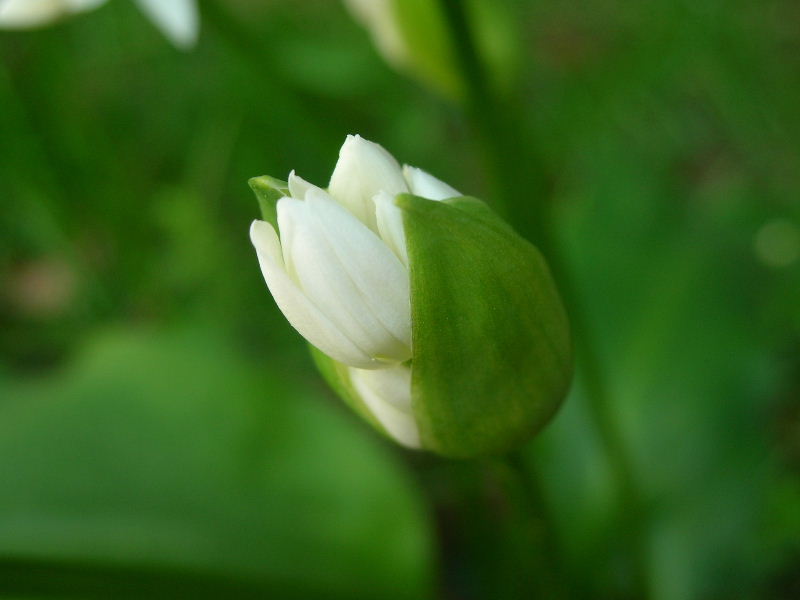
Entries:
{"x":426,"y":312}
{"x":414,"y":36}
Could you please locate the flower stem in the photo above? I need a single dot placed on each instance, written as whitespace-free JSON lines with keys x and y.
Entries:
{"x":498,"y":146}
{"x":496,"y":540}
{"x":542,"y":541}
{"x":505,"y":151}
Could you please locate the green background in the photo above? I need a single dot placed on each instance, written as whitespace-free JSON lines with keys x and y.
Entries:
{"x":163,"y":432}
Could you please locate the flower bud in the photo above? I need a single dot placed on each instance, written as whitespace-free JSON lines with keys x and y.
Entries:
{"x":414,"y":36}
{"x":427,"y":313}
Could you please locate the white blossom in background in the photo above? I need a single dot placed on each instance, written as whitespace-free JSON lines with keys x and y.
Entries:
{"x":414,"y":36}
{"x":378,"y":17}
{"x":338,"y":269}
{"x":32,"y":13}
{"x":178,"y":20}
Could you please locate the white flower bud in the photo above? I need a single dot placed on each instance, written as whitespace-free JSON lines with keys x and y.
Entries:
{"x":414,"y":36}
{"x":429,"y":316}
{"x":178,"y":20}
{"x":379,"y":18}
{"x":353,"y":282}
{"x":364,"y":169}
{"x":339,"y":272}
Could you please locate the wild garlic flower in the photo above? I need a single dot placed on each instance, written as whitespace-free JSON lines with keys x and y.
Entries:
{"x":427,"y":313}
{"x":178,"y":20}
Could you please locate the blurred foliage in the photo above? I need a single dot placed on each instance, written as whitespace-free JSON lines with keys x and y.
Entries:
{"x":129,"y":463}
{"x":162,"y":428}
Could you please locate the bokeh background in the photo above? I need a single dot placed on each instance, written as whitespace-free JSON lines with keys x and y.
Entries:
{"x":162,"y":430}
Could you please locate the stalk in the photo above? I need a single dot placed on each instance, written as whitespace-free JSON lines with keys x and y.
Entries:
{"x":506,"y":157}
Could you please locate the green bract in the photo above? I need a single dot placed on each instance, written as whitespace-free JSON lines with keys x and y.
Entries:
{"x":492,"y":352}
{"x":426,"y":312}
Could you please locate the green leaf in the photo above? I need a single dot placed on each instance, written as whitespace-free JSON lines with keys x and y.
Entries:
{"x":492,"y":351}
{"x":166,"y":462}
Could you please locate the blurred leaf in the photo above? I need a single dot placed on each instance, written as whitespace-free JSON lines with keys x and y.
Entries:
{"x":161,"y":463}
{"x":672,"y":293}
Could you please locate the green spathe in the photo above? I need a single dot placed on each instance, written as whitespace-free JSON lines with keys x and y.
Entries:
{"x":492,"y":352}
{"x":268,"y":191}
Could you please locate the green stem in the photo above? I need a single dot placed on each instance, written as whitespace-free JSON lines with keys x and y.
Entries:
{"x":632,"y":517}
{"x":505,"y":152}
{"x":499,"y":147}
{"x":542,"y":538}
{"x":496,"y":538}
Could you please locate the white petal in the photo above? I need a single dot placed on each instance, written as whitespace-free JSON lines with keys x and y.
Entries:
{"x":364,"y":169}
{"x":348,"y":273}
{"x":298,"y":309}
{"x":299,"y":186}
{"x":380,"y":277}
{"x":425,"y":185}
{"x":31,"y":13}
{"x":390,"y":225}
{"x":177,"y":19}
{"x":387,"y":394}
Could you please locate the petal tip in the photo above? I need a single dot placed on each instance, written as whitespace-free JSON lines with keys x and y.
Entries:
{"x":258,"y":229}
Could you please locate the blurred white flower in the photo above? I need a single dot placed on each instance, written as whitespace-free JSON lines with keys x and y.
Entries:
{"x":378,"y":17}
{"x":31,"y":13}
{"x":178,"y":20}
{"x":414,"y":36}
